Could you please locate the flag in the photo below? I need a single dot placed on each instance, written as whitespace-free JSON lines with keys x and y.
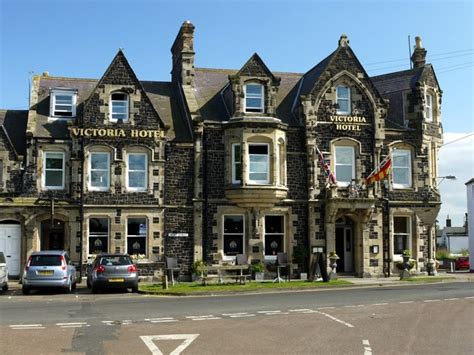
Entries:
{"x":326,"y":167}
{"x":380,"y":172}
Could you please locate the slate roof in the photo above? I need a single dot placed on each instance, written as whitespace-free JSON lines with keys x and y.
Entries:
{"x":160,"y":94}
{"x":14,"y":123}
{"x":210,"y":85}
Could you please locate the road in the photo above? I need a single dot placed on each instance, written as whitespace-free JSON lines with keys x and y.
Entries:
{"x":431,"y":318}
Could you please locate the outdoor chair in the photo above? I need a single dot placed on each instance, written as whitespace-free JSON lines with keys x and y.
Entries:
{"x":242,"y":259}
{"x":172,"y":266}
{"x":282,"y":262}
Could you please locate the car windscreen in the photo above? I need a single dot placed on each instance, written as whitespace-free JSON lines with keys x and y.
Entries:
{"x":2,"y":258}
{"x":115,"y":260}
{"x":45,"y":260}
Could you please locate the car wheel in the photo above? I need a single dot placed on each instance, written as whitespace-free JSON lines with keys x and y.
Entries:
{"x":25,"y":290}
{"x":88,"y":284}
{"x":74,"y":285}
{"x":5,"y":287}
{"x":94,"y":289}
{"x":68,"y":288}
{"x":135,"y":289}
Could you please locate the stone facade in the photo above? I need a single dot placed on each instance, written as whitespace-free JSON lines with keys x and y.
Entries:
{"x":221,"y":162}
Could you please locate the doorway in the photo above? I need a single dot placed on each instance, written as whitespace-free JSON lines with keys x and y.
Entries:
{"x":345,"y":245}
{"x":52,"y":235}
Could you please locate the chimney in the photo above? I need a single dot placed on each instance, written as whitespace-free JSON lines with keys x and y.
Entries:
{"x":183,"y":55}
{"x":419,"y":54}
{"x":448,"y":221}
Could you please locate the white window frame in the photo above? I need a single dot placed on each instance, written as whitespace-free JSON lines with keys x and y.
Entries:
{"x":235,"y":163}
{"x":340,"y":182}
{"x":428,"y":107}
{"x":254,"y":96}
{"x":98,"y":188}
{"x":97,"y":235}
{"x":273,"y":257}
{"x":129,"y":188}
{"x":111,"y":106}
{"x":62,"y":92}
{"x":137,"y":236}
{"x":348,"y":99}
{"x":259,"y":182}
{"x":401,"y":152}
{"x":407,"y":235}
{"x":45,"y":155}
{"x":232,"y":257}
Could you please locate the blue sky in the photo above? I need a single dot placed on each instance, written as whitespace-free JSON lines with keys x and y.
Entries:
{"x":79,"y":39}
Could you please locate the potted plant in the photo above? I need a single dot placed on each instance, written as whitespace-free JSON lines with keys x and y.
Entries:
{"x":258,"y":271}
{"x":300,"y":257}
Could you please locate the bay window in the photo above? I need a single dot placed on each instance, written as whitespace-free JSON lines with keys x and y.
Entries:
{"x":401,"y":168}
{"x":236,"y":164}
{"x":429,"y":107}
{"x":259,"y":163}
{"x":233,"y":235}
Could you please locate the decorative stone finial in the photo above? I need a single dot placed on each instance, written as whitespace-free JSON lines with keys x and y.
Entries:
{"x":419,"y":54}
{"x":343,"y":41}
{"x":418,"y":43}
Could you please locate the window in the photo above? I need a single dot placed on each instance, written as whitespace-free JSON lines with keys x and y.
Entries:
{"x":401,"y":168}
{"x":259,"y":164}
{"x":53,"y":177}
{"x":119,"y":106}
{"x":429,"y":107}
{"x":344,"y":163}
{"x":136,"y":236}
{"x":233,"y":235}
{"x":401,"y":234}
{"x":98,"y":235}
{"x":1,"y":173}
{"x":99,"y":171}
{"x":274,"y":236}
{"x":254,"y":98}
{"x":236,"y":164}
{"x":343,"y":98}
{"x":137,"y":172}
{"x":63,"y":103}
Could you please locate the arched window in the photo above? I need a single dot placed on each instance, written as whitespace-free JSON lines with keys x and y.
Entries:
{"x":343,"y":99}
{"x":254,"y":97}
{"x":118,"y":106}
{"x":344,"y":162}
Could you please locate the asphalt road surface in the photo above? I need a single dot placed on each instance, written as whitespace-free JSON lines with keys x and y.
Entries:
{"x":426,"y":319}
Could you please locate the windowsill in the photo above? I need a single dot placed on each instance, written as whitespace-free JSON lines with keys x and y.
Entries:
{"x":97,"y":189}
{"x":343,"y":113}
{"x":52,"y":188}
{"x":270,"y":258}
{"x":402,"y":188}
{"x":61,"y":118}
{"x":136,"y":190}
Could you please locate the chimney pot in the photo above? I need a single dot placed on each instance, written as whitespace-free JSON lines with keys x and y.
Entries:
{"x":45,"y":73}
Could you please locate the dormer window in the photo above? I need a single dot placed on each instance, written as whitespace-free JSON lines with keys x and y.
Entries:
{"x":118,"y":106}
{"x":429,"y":107}
{"x":63,"y":103}
{"x":343,"y":98}
{"x":254,"y":98}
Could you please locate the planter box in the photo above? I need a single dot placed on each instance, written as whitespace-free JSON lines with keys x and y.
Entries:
{"x":304,"y":276}
{"x":259,"y":276}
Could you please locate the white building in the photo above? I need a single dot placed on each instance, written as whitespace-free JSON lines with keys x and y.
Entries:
{"x":470,"y":220}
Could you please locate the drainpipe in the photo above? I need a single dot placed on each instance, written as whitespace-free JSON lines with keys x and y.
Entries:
{"x":81,"y":208}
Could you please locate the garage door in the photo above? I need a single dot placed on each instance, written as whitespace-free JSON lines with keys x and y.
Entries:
{"x":10,"y":235}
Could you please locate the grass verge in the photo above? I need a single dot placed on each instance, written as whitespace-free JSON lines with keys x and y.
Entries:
{"x":187,"y":288}
{"x":428,"y":279}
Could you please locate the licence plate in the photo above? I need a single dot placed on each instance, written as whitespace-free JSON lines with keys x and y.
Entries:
{"x":45,"y":272}
{"x":116,"y":280}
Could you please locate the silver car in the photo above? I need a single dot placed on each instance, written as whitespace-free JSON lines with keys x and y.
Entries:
{"x":112,"y":271}
{"x":49,"y":268}
{"x":3,"y":272}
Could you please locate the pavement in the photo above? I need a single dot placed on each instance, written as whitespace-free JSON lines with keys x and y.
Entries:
{"x":459,"y":276}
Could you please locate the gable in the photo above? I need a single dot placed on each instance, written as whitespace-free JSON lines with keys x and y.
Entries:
{"x":255,"y":67}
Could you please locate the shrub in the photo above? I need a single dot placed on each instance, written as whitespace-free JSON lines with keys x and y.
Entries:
{"x":258,"y":267}
{"x":198,"y":267}
{"x":406,"y":252}
{"x":401,"y":265}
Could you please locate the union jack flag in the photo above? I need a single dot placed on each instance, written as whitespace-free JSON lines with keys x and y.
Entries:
{"x":326,"y":167}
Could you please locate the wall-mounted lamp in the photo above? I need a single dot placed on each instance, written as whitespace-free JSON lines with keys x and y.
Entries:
{"x":374,"y":249}
{"x":449,"y":177}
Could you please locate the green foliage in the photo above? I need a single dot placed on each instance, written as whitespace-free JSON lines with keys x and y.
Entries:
{"x":443,"y":254}
{"x":464,"y":252}
{"x":258,"y":267}
{"x":406,"y":252}
{"x":401,"y":265}
{"x":198,"y":267}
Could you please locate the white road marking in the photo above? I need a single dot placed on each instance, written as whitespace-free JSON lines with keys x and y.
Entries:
{"x":468,"y":298}
{"x":326,"y":307}
{"x":208,"y":317}
{"x":26,"y":326}
{"x":406,"y":302}
{"x":354,"y":306}
{"x":161,"y":320}
{"x":367,"y":348}
{"x":299,"y":310}
{"x":108,"y":322}
{"x":71,"y":326}
{"x":77,"y":323}
{"x":188,"y":339}
{"x":238,"y":315}
{"x":427,"y":301}
{"x":451,"y":299}
{"x":336,"y":319}
{"x":272,"y":313}
{"x":379,"y":304}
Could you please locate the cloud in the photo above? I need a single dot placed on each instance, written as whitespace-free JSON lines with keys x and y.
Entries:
{"x":456,"y":159}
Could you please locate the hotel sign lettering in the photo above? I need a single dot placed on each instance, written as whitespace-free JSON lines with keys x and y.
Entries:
{"x":115,"y":133}
{"x":348,"y":123}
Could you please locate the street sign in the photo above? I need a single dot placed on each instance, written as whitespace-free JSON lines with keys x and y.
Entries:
{"x":150,"y":339}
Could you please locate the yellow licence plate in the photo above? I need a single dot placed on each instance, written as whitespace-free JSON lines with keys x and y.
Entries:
{"x":115,"y":280}
{"x":45,"y":272}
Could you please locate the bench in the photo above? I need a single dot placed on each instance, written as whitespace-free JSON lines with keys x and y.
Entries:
{"x":221,"y":273}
